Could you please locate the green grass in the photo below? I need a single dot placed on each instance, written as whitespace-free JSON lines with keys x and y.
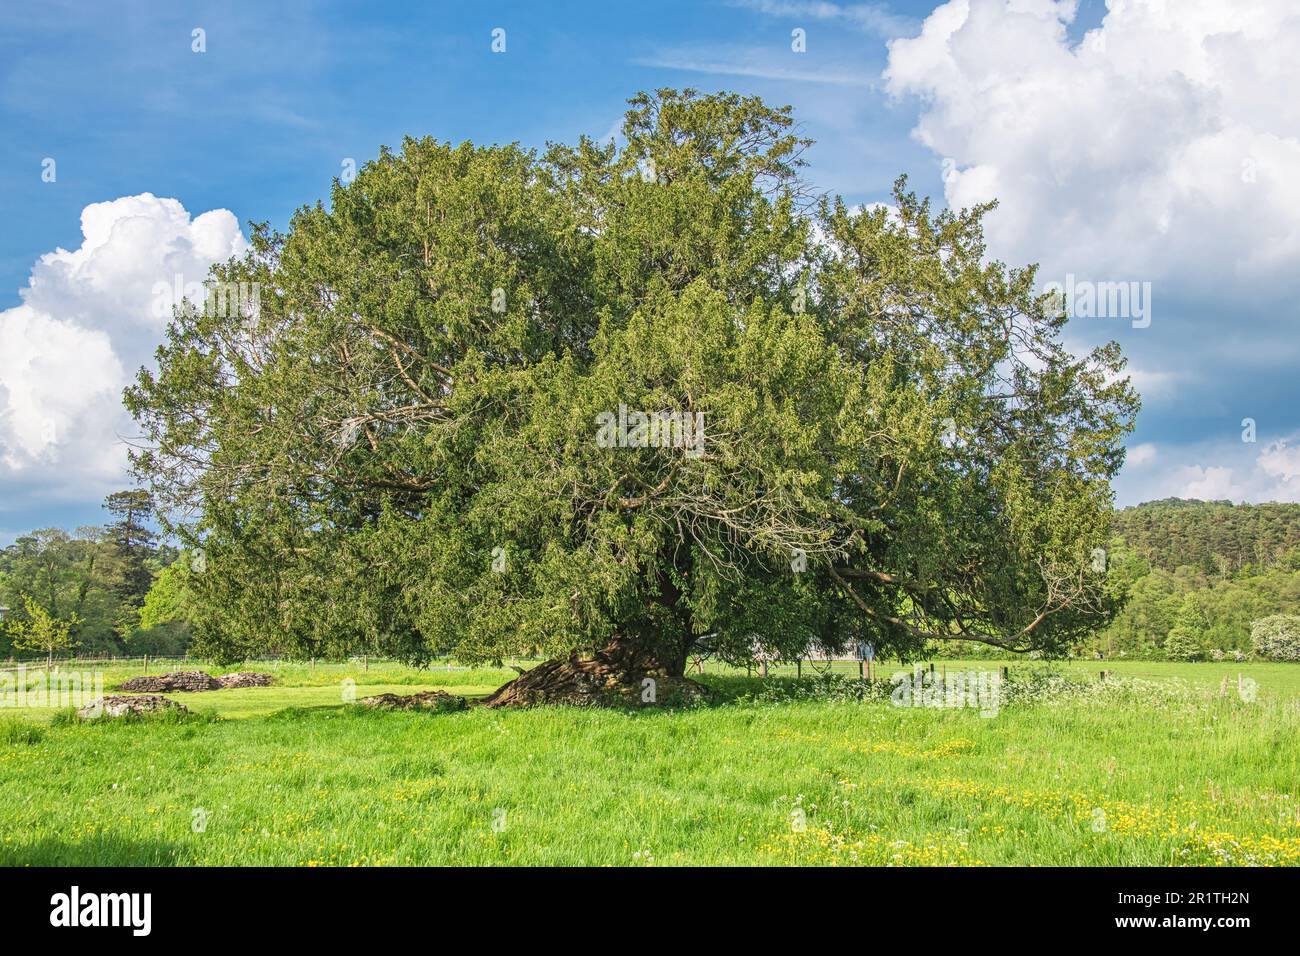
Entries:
{"x":297,"y":685}
{"x":1142,"y":773}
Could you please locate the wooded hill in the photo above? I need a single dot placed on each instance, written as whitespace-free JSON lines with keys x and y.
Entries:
{"x":1203,"y":571}
{"x":1216,"y":537}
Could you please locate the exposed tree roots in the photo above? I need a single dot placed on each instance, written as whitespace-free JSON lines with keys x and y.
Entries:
{"x":617,"y":676}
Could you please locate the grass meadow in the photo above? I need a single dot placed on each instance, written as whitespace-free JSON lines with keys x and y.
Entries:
{"x":1156,"y":766}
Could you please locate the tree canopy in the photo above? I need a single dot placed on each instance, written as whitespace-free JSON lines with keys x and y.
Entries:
{"x":830,"y":424}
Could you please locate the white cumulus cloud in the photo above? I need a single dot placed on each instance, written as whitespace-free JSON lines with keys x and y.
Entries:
{"x":1281,"y":462}
{"x":89,"y":318}
{"x":1143,"y":454}
{"x":1163,"y":145}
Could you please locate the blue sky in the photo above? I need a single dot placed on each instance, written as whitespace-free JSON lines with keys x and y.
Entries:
{"x":1123,"y":145}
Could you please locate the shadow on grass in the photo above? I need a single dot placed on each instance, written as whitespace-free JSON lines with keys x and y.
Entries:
{"x":162,"y":718}
{"x":724,"y":690}
{"x":299,"y":712}
{"x":99,"y":850}
{"x":351,"y":711}
{"x":728,"y":688}
{"x":732,"y":689}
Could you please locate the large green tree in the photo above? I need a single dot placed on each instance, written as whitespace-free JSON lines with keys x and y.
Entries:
{"x":132,"y":541}
{"x":861,"y":428}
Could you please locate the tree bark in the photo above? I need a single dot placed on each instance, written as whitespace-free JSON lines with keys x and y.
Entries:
{"x":625,"y":672}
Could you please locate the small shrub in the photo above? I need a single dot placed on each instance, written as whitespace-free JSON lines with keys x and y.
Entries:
{"x":67,"y":717}
{"x":14,"y":731}
{"x":1277,"y":637}
{"x":1182,"y":645}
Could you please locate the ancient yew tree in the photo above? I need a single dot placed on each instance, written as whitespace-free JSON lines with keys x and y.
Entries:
{"x":615,"y":403}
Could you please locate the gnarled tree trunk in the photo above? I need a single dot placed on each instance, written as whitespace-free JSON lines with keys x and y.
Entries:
{"x":625,"y":672}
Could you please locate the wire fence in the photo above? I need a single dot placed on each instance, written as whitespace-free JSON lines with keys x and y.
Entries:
{"x":41,"y":663}
{"x":147,"y":661}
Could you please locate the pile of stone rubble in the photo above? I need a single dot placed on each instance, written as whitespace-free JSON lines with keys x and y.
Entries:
{"x":170,"y":683}
{"x":187,"y":681}
{"x":245,"y":679}
{"x":437,"y":700}
{"x":116,"y":705}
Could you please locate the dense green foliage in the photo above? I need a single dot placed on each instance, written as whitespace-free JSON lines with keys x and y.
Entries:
{"x":1196,"y":576}
{"x":1208,"y":613}
{"x":96,"y":580}
{"x":400,"y":449}
{"x":1277,"y":637}
{"x":1213,"y":537}
{"x":132,"y":541}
